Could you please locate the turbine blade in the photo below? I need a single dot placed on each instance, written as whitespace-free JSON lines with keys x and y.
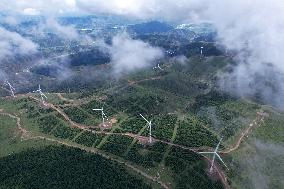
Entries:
{"x":144,"y":118}
{"x":43,"y":95}
{"x":206,"y":152}
{"x":221,"y":159}
{"x":216,"y":149}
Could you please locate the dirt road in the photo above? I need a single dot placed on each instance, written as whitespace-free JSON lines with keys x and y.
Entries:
{"x":257,"y":121}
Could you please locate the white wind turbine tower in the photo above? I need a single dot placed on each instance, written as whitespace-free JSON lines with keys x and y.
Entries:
{"x":214,"y":156}
{"x":103,"y":114}
{"x":12,"y":89}
{"x":41,"y":94}
{"x":150,"y":127}
{"x":201,"y":50}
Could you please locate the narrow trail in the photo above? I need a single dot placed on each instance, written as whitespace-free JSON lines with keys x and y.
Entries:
{"x":65,"y":116}
{"x":23,"y":131}
{"x":140,"y":81}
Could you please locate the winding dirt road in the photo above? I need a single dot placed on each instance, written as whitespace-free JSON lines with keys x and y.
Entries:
{"x":23,"y":131}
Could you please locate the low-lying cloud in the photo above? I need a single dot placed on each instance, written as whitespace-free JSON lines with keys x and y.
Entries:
{"x":64,"y":31}
{"x":12,"y":43}
{"x":254,"y":29}
{"x":258,"y":163}
{"x":128,"y":55}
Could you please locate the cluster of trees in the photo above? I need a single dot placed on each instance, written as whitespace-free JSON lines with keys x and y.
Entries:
{"x":61,"y":167}
{"x":157,"y":147}
{"x":48,"y":123}
{"x":213,"y":98}
{"x":190,"y":170}
{"x":134,"y":101}
{"x":143,"y":157}
{"x":179,"y":84}
{"x":89,"y":139}
{"x":192,"y":133}
{"x":117,"y":144}
{"x":77,"y":115}
{"x":163,"y":126}
{"x":133,"y":125}
{"x":52,"y":125}
{"x":65,"y":132}
{"x":230,"y":113}
{"x":32,"y":110}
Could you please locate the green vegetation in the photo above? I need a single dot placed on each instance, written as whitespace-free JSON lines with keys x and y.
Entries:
{"x":89,"y":139}
{"x":117,"y":144}
{"x":182,"y":96}
{"x":163,"y":127}
{"x":143,"y":157}
{"x":272,"y":129}
{"x":189,"y":169}
{"x":60,"y":167}
{"x":52,"y":125}
{"x":76,"y":114}
{"x":10,"y":141}
{"x":133,"y":125}
{"x":192,"y":133}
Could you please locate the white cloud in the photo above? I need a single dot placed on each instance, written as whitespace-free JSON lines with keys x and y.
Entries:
{"x":31,"y":12}
{"x":35,"y":7}
{"x":128,"y":55}
{"x":68,"y":32}
{"x":253,"y":28}
{"x":12,"y":43}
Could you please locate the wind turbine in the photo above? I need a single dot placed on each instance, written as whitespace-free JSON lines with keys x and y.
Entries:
{"x":103,"y":114}
{"x":201,"y":50}
{"x":150,"y":127}
{"x":41,"y":94}
{"x":158,"y":66}
{"x":214,"y":156}
{"x":12,"y":89}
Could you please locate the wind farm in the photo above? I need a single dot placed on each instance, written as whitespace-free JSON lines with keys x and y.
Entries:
{"x":120,"y":100}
